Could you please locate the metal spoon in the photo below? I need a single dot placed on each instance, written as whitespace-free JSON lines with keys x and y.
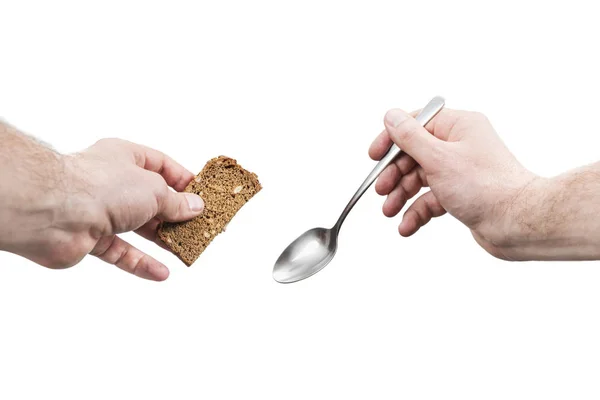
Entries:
{"x":314,"y":249}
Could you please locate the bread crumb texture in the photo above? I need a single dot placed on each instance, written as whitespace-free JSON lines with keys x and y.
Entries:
{"x":225,"y":187}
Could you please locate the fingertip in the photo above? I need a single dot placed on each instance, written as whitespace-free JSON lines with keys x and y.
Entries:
{"x":402,"y":230}
{"x":395,"y":117}
{"x":380,"y":187}
{"x":155,"y":271}
{"x":179,"y":207}
{"x":161,"y":273}
{"x":195,"y":202}
{"x":380,"y":146}
{"x":395,"y":201}
{"x":373,"y":155}
{"x":387,"y":180}
{"x":388,"y":209}
{"x":408,"y":226}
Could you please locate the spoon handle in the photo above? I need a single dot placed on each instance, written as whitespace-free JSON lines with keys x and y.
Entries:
{"x":432,"y":108}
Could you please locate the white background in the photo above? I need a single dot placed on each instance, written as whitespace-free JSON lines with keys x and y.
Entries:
{"x":296,"y":91}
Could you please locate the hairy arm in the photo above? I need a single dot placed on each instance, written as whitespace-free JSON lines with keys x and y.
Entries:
{"x":55,"y":209}
{"x":31,"y":188}
{"x":558,"y":218}
{"x":511,"y":212}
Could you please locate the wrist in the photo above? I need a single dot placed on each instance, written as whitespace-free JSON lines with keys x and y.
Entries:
{"x":527,"y":230}
{"x":31,"y":197}
{"x":549,"y":221}
{"x":49,"y":220}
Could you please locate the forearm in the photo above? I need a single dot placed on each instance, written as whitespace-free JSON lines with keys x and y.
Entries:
{"x":30,"y":178}
{"x":559,"y":218}
{"x":57,"y":209}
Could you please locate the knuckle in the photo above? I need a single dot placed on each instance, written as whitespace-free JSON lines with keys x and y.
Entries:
{"x":159,"y":184}
{"x":478,"y":116}
{"x":155,"y":183}
{"x":64,"y":255}
{"x":462,"y":116}
{"x":103,"y":246}
{"x":163,"y":194}
{"x":105,"y":142}
{"x":182,"y":207}
{"x":138,"y":266}
{"x":415,"y":215}
{"x":160,"y":202}
{"x":166,"y":202}
{"x":120,"y":255}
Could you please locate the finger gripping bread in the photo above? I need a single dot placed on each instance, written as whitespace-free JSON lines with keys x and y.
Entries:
{"x":225,"y":187}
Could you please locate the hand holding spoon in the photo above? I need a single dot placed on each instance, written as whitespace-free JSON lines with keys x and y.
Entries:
{"x":314,"y":249}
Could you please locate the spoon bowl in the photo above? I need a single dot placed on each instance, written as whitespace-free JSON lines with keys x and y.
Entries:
{"x":306,"y":255}
{"x":315,"y":248}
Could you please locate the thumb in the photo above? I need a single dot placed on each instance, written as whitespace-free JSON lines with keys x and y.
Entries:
{"x":411,"y":137}
{"x":175,"y":207}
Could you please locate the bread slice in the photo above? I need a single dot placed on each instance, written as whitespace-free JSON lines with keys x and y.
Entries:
{"x":225,"y":187}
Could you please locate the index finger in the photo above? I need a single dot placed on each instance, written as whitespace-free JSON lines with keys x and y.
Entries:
{"x":380,"y":146}
{"x":172,"y":172}
{"x":441,"y":125}
{"x":116,"y":251}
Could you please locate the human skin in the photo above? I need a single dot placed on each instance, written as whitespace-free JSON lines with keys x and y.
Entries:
{"x":56,"y":209}
{"x":512,"y":213}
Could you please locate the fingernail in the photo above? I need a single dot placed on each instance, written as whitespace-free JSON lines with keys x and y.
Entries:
{"x":194,"y":201}
{"x":395,"y":117}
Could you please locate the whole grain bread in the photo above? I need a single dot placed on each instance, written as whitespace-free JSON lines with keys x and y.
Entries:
{"x":225,"y":187}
